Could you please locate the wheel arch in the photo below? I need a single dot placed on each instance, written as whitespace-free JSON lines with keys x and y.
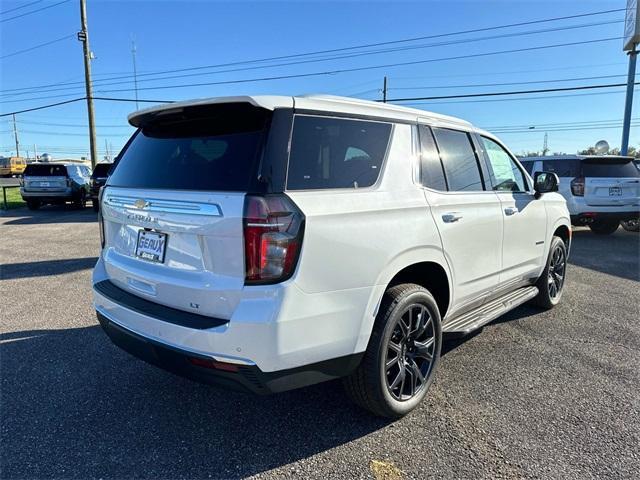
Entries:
{"x":430,"y":275}
{"x":422,"y":265}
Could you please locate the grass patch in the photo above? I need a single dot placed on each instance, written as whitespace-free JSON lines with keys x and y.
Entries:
{"x":14,"y":200}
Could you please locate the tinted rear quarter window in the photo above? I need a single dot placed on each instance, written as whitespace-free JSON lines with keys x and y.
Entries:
{"x":44,"y":170}
{"x":335,"y":152}
{"x":459,"y":160}
{"x":563,"y":168}
{"x":216,"y":148}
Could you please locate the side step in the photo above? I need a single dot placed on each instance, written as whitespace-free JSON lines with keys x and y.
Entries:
{"x":467,"y":322}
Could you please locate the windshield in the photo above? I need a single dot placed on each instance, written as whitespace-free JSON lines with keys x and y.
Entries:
{"x":44,"y":170}
{"x":218,"y":150}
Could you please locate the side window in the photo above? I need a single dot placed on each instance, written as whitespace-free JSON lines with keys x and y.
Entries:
{"x":506,"y":176}
{"x":336,"y":153}
{"x":564,"y":168}
{"x":431,"y":172}
{"x":459,"y":160}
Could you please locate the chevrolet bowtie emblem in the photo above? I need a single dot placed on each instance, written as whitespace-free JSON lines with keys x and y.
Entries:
{"x":140,"y":204}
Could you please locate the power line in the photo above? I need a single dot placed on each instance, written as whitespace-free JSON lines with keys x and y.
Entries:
{"x":38,"y":46}
{"x":72,"y":134}
{"x":106,"y":82}
{"x":583,"y":87}
{"x":364,"y":68}
{"x":281,"y":57}
{"x":42,"y":107}
{"x":517,"y":99}
{"x":34,"y":11}
{"x":505,"y":84}
{"x":20,"y":7}
{"x":518,"y":92}
{"x":70,"y":125}
{"x":542,"y":125}
{"x":567,"y":129}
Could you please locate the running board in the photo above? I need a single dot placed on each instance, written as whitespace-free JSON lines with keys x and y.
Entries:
{"x":484,"y":314}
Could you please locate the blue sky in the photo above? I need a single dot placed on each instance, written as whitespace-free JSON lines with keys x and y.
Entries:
{"x":174,"y":35}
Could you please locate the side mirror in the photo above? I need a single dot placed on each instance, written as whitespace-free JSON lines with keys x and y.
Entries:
{"x":545,"y":182}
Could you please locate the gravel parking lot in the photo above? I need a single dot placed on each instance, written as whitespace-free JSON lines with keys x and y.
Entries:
{"x":535,"y":394}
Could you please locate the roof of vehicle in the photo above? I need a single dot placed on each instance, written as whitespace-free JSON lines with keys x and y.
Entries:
{"x":576,"y":157}
{"x":324,"y":103}
{"x":54,"y":164}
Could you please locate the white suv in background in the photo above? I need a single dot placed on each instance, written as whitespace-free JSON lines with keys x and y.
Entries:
{"x":601,"y":190}
{"x":268,"y":243}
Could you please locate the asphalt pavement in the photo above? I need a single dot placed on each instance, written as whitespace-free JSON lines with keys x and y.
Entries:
{"x":535,"y":394}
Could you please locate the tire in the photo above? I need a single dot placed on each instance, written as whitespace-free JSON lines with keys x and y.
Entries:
{"x":81,"y":200}
{"x":631,"y":225}
{"x":371,"y":385}
{"x":551,"y":282}
{"x":604,"y":227}
{"x":33,"y":204}
{"x":96,"y":205}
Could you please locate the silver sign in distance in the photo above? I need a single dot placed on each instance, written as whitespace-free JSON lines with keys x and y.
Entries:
{"x":631,"y":25}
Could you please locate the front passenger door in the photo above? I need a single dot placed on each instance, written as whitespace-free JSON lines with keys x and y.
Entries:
{"x":525,"y":217}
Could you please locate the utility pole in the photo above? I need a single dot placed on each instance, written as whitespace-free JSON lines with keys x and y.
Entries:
{"x":135,"y":70}
{"x":83,"y":36}
{"x":35,"y":152}
{"x":384,"y":90}
{"x":633,"y":53}
{"x":15,"y":135}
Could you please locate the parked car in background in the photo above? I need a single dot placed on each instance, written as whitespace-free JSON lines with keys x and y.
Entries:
{"x":97,"y":180}
{"x":601,"y":191}
{"x":268,"y":243}
{"x":55,"y":183}
{"x":12,"y":166}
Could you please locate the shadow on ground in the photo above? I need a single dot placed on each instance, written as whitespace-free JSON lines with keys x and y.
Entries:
{"x":45,"y":268}
{"x":73,"y":405}
{"x":622,"y":258}
{"x":76,"y":406}
{"x":48,"y":214}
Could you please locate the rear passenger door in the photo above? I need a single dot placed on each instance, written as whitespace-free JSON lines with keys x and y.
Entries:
{"x":468,"y":215}
{"x":525,"y":217}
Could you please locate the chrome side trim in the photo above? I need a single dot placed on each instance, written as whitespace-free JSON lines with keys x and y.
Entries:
{"x":168,"y":206}
{"x":215,"y":356}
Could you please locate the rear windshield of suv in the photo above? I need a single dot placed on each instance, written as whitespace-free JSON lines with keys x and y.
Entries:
{"x":44,"y":170}
{"x":102,"y":170}
{"x":609,"y":168}
{"x":217,"y":149}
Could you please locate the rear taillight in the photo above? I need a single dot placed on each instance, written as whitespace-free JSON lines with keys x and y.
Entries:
{"x":100,"y":219}
{"x":273,"y":230}
{"x":577,"y":187}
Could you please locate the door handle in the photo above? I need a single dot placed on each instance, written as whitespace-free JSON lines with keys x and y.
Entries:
{"x":451,"y":217}
{"x":511,"y":210}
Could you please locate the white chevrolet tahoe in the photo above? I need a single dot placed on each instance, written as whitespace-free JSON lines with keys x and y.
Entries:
{"x":268,"y":243}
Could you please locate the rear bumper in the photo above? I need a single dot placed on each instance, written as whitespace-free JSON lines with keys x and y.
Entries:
{"x":44,"y":195}
{"x":589,"y":217}
{"x":210,"y":370}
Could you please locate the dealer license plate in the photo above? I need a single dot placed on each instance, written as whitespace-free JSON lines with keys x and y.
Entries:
{"x":151,"y":245}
